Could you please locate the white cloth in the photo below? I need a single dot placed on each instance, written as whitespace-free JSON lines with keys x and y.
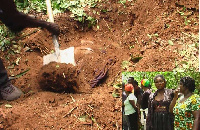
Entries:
{"x":128,"y":108}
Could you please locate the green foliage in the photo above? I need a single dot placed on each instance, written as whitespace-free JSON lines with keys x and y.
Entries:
{"x":77,"y":7}
{"x":28,"y":5}
{"x":125,"y":64}
{"x":172,"y":78}
{"x":188,"y":51}
{"x":58,"y":6}
{"x":122,"y":1}
{"x":5,"y":37}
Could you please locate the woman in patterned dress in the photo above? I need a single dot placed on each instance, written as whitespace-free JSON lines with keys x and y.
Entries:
{"x":186,"y":108}
{"x":158,"y":117}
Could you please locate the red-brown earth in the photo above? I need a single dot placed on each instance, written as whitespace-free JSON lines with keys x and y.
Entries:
{"x":154,"y":30}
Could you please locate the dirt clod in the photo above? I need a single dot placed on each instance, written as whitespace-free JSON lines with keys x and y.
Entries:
{"x":58,"y":77}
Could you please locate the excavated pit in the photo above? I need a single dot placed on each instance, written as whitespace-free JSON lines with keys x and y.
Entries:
{"x":58,"y":77}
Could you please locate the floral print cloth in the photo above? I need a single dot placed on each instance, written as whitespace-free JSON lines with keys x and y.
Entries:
{"x":183,"y":112}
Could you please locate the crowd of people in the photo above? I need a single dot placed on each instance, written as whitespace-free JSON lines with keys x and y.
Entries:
{"x":167,"y":109}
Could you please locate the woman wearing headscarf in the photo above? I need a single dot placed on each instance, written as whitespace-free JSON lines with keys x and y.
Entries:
{"x":145,"y":85}
{"x":130,"y":107}
{"x":186,"y":108}
{"x":158,"y":117}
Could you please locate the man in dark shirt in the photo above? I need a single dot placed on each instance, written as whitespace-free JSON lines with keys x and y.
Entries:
{"x":145,"y":85}
{"x":16,"y":21}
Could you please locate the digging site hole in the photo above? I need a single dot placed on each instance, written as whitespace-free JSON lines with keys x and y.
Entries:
{"x":59,"y":77}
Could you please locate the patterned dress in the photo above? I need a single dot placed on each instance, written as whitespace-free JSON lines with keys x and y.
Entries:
{"x":183,"y":112}
{"x":159,"y":117}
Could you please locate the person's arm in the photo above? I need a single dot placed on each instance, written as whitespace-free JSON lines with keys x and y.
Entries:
{"x":148,"y":119}
{"x":132,"y":102}
{"x":173,"y":102}
{"x":196,"y":125}
{"x":140,"y":93}
{"x":144,"y":101}
{"x":8,"y":6}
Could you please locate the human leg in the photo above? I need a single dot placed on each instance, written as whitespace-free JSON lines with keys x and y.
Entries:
{"x":3,"y":74}
{"x":133,"y":120}
{"x":125,"y":121}
{"x":7,"y":90}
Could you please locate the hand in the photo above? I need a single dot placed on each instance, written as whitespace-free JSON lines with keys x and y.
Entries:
{"x":53,"y":28}
{"x":176,"y":92}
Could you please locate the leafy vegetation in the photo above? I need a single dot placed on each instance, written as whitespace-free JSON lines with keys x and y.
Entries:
{"x":6,"y":37}
{"x":125,"y":64}
{"x":76,"y":7}
{"x":188,"y":52}
{"x":172,"y":78}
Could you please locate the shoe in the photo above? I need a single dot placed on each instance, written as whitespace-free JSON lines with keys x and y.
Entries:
{"x":9,"y":92}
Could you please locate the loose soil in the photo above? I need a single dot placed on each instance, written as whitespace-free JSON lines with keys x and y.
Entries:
{"x":59,"y":96}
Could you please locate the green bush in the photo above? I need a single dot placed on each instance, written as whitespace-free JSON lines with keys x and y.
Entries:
{"x":76,"y":7}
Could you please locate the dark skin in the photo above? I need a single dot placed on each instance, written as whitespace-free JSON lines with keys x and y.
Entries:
{"x":132,"y":102}
{"x":144,"y":88}
{"x":160,"y":85}
{"x":185,"y":91}
{"x":16,"y":21}
{"x":145,"y":96}
{"x":131,"y":81}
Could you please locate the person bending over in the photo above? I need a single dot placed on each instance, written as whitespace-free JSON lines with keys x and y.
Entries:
{"x":17,"y":21}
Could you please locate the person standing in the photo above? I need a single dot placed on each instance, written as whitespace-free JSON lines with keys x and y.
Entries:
{"x":138,"y":93}
{"x":130,"y":107}
{"x":145,"y":85}
{"x":186,"y":108}
{"x":125,"y":123}
{"x":158,"y":117}
{"x":137,"y":90}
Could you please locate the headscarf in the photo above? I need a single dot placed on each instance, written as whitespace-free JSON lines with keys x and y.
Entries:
{"x":129,"y":88}
{"x":145,"y":82}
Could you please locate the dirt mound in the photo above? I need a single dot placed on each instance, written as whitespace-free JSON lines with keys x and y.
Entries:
{"x":58,"y":77}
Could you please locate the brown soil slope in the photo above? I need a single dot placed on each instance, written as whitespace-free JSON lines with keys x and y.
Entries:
{"x":152,"y":29}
